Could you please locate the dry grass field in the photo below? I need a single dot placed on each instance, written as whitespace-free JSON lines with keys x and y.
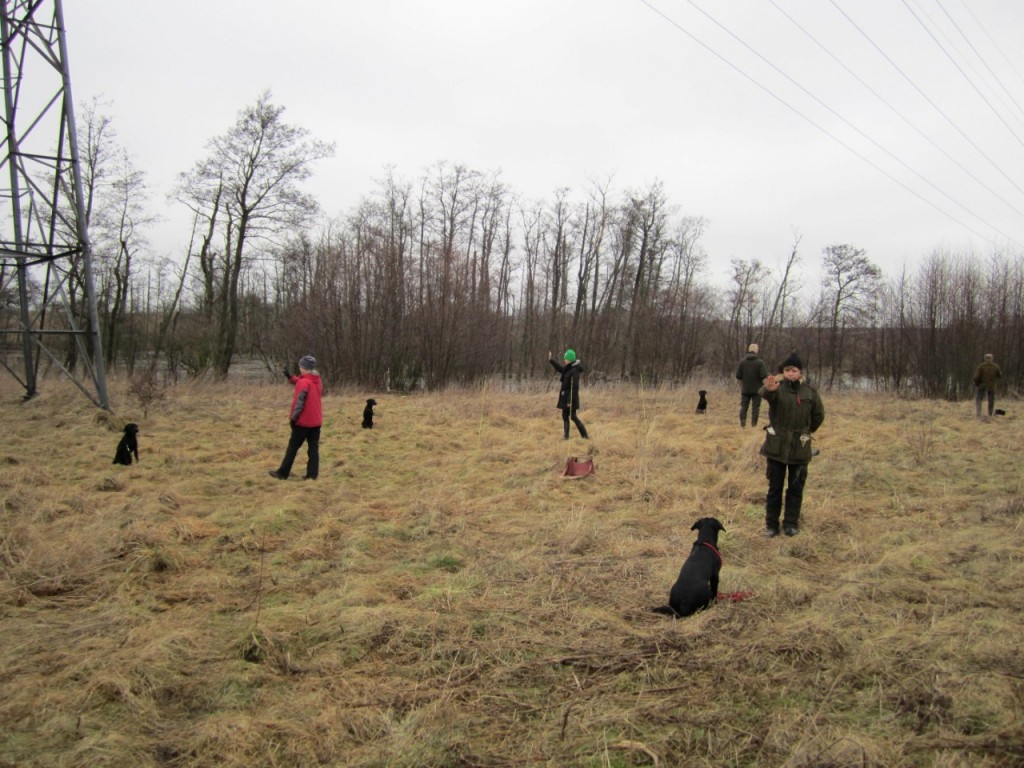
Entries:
{"x":442,"y":597}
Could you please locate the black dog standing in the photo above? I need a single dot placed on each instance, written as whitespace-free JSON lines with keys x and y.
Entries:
{"x":697,"y":585}
{"x":368,"y":414}
{"x":702,"y":404}
{"x":129,"y":445}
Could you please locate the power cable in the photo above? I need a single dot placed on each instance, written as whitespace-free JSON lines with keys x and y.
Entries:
{"x":981,"y":58}
{"x":964,"y":74}
{"x":897,"y":112}
{"x":995,"y":45}
{"x":828,"y":133}
{"x":927,"y":98}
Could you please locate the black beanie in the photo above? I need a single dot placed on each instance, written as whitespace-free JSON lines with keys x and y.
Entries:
{"x":793,"y":360}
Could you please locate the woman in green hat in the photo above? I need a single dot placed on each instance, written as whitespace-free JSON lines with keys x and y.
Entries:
{"x":569,"y":393}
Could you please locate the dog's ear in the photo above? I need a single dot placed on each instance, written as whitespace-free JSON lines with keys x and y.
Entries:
{"x":696,"y":525}
{"x":719,"y":526}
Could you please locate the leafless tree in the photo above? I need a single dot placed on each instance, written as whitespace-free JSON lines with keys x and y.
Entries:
{"x":849,"y":286}
{"x":247,"y":190}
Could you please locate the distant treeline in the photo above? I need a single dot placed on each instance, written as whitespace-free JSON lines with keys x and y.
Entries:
{"x":452,"y":278}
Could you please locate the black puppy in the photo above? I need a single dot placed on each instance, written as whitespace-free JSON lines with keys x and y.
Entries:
{"x":702,"y":404}
{"x":368,"y":414}
{"x":697,"y":585}
{"x":129,"y":445}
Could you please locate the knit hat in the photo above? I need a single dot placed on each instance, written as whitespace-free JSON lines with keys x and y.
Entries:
{"x":989,"y":357}
{"x":794,"y":361}
{"x":308,"y":363}
{"x":752,"y":348}
{"x":569,"y":355}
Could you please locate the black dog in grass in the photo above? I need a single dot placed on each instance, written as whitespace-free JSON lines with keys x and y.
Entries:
{"x":702,"y":404}
{"x":129,"y":445}
{"x":368,"y":414}
{"x":697,"y":585}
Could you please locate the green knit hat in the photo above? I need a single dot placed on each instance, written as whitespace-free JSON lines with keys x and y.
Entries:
{"x":569,"y":355}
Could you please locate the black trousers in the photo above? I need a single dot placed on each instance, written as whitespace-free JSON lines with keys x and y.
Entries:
{"x":570,"y":413}
{"x":776,"y":473}
{"x":754,"y":401}
{"x":311,"y":437}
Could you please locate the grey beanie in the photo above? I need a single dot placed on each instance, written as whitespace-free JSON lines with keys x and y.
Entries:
{"x":308,"y":363}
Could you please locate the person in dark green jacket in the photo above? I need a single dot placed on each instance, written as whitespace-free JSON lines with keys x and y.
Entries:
{"x":795,"y":411}
{"x":985,"y":377}
{"x":751,"y":372}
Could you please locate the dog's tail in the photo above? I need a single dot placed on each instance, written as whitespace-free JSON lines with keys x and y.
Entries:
{"x":665,"y":610}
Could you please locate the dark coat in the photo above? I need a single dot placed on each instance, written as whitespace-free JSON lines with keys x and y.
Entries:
{"x":987,"y":374}
{"x":795,"y":412}
{"x":751,"y":373}
{"x":569,"y":392}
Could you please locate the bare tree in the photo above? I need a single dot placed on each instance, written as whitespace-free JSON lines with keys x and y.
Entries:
{"x":849,"y":285}
{"x":247,"y":188}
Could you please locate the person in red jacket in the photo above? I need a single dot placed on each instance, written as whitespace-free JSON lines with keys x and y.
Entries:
{"x":306,"y":417}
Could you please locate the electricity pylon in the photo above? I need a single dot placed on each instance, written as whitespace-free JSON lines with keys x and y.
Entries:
{"x":44,"y":250}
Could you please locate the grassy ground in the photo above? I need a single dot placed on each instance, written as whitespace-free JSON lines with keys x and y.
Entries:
{"x":442,"y":597}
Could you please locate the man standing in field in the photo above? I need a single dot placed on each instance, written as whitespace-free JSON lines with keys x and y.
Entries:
{"x":751,"y":373}
{"x":306,"y":418}
{"x":985,"y":377}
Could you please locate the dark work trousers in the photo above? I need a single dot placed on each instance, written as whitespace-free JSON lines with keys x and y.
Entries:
{"x":568,"y":413}
{"x":776,"y":474}
{"x":981,"y":393}
{"x":754,"y":401}
{"x":311,"y":437}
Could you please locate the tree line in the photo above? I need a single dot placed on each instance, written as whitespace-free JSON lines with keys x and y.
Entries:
{"x":452,"y":277}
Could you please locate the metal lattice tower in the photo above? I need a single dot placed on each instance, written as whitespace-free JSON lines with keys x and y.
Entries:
{"x":45,"y":257}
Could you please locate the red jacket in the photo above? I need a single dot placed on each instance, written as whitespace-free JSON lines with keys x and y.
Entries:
{"x":306,"y":410}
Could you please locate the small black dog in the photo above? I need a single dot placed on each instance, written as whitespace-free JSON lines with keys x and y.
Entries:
{"x":702,"y":404}
{"x":998,"y":412}
{"x":368,"y":414}
{"x":697,"y":585}
{"x":129,"y":445}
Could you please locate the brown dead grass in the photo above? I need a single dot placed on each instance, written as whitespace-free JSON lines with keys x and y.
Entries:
{"x":442,"y":597}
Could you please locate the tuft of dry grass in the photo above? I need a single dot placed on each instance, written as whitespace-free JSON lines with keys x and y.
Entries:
{"x":443,"y":597}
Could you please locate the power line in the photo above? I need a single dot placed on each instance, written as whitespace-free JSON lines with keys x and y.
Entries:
{"x":839,"y":141}
{"x":896,"y":111}
{"x":964,"y":74}
{"x":981,"y":58}
{"x":843,"y":119}
{"x":927,"y":98}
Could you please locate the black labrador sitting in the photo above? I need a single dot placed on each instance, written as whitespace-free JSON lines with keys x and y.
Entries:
{"x":702,"y":404}
{"x":129,"y":445}
{"x":368,"y":414}
{"x":697,"y":585}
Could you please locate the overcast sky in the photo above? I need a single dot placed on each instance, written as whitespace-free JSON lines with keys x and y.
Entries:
{"x":892,"y":125}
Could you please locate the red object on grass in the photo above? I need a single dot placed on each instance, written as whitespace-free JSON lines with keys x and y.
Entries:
{"x":576,"y":467}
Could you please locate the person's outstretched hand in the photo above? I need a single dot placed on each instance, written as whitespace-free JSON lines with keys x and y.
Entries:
{"x":286,"y":374}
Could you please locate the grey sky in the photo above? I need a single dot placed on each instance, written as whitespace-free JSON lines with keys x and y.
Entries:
{"x":557,"y":93}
